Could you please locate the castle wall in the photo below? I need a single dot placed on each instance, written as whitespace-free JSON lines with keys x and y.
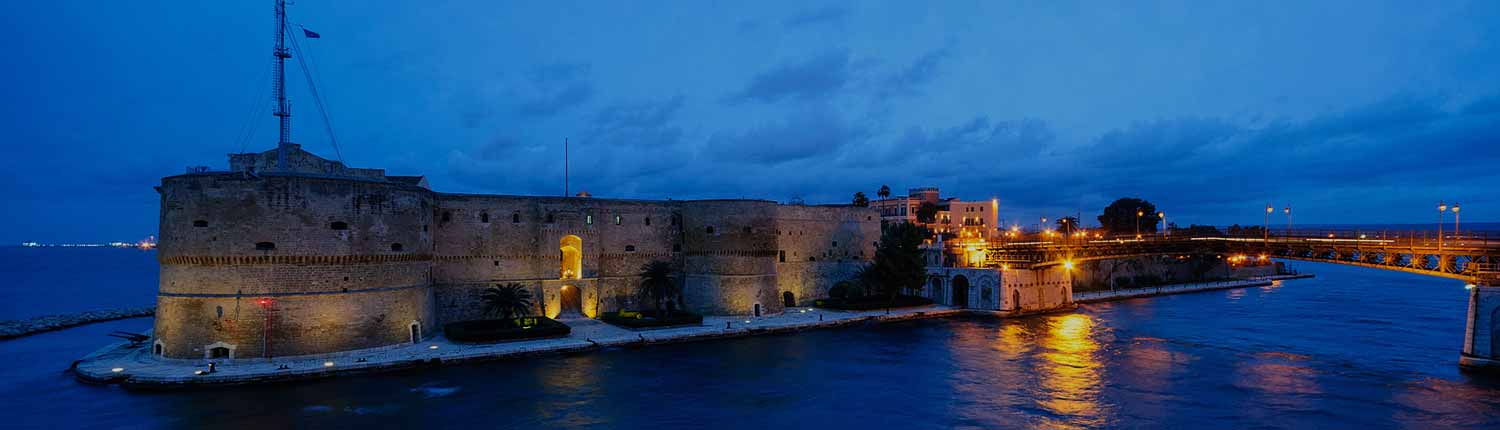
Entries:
{"x":729,"y":256}
{"x":319,"y":255}
{"x":820,"y":246}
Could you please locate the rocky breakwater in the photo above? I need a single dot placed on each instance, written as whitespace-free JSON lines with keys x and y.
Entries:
{"x":18,"y":328}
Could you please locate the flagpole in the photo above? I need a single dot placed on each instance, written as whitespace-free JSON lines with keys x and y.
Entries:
{"x":565,"y":167}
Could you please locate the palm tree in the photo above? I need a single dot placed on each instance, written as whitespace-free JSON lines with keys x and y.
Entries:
{"x":860,"y":199}
{"x":509,"y":301}
{"x":884,"y":193}
{"x":657,"y":284}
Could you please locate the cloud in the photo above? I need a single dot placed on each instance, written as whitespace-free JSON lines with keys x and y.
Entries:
{"x":798,"y":137}
{"x":813,"y":78}
{"x":555,"y":88}
{"x":832,"y":14}
{"x":909,"y":79}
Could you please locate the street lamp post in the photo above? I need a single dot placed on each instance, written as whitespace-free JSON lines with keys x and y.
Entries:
{"x":1265,"y":229}
{"x":1163,"y":217}
{"x":1288,"y":211}
{"x":1442,"y":207}
{"x":1455,"y":221}
{"x":1138,"y":214}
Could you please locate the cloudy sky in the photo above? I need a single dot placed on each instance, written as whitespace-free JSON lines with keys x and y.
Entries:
{"x":1350,"y":112}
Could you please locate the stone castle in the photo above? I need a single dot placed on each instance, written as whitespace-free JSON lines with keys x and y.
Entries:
{"x":301,"y":255}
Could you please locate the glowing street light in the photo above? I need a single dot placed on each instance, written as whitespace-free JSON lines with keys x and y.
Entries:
{"x":1163,"y":217}
{"x":1265,"y":229}
{"x":1442,"y":207}
{"x":1288,"y":211}
{"x":1455,"y":220}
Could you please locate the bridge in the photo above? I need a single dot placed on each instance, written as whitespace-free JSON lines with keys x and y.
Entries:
{"x":1471,"y":257}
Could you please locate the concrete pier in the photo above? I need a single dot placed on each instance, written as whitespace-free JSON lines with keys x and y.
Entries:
{"x":1482,"y":329}
{"x":136,"y":367}
{"x":1131,"y":293}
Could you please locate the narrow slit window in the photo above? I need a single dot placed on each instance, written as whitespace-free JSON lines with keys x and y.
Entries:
{"x":200,"y":223}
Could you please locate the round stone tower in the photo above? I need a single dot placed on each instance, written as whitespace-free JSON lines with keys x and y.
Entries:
{"x":300,"y":257}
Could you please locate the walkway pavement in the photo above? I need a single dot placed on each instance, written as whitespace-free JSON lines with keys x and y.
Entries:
{"x":135,"y":366}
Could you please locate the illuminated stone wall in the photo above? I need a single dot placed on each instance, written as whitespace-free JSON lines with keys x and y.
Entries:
{"x":820,"y":246}
{"x":325,"y":258}
{"x":299,"y":264}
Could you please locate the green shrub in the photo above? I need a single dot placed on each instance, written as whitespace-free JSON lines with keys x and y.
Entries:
{"x":482,"y":331}
{"x":650,"y":319}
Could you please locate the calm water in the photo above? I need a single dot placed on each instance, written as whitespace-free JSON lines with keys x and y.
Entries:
{"x":1353,"y":348}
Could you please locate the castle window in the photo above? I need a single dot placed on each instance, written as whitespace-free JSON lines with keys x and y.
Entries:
{"x":781,"y":256}
{"x":629,"y":248}
{"x":515,"y":218}
{"x":447,"y":216}
{"x":424,"y":227}
{"x":220,"y":311}
{"x":811,"y":258}
{"x":484,"y":217}
{"x":588,"y":219}
{"x":709,"y":229}
{"x":339,"y":225}
{"x":497,"y":263}
{"x":676,"y":247}
{"x":617,"y":220}
{"x":835,"y":243}
{"x":747,"y":230}
{"x":676,"y":219}
{"x":265,"y":246}
{"x":549,"y":219}
{"x":396,"y":247}
{"x":648,"y":220}
{"x":200,"y":223}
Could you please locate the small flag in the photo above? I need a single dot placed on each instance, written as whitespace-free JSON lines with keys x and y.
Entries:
{"x":310,"y":34}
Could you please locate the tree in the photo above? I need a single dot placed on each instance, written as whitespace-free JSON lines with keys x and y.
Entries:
{"x":1196,"y":230}
{"x":1245,"y":231}
{"x":898,"y":265}
{"x":1120,"y":217}
{"x":884,"y":193}
{"x":658,"y":286}
{"x":1067,"y":225}
{"x":508,"y":301}
{"x":860,"y":199}
{"x":927,"y":212}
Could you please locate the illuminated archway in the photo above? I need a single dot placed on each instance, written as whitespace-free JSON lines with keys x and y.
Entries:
{"x":570,"y":302}
{"x":572,"y":257}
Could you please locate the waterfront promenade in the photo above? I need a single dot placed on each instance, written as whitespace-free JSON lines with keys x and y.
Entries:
{"x":134,"y":366}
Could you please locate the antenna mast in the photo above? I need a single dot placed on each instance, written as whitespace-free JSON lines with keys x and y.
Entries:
{"x":278,"y":87}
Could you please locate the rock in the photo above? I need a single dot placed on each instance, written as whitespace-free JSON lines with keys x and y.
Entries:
{"x":18,"y":328}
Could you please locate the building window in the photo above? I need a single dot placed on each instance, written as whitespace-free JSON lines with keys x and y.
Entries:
{"x":396,"y":247}
{"x":629,"y":248}
{"x":549,"y":219}
{"x":648,"y":220}
{"x":747,"y":230}
{"x":709,"y":229}
{"x":835,"y":243}
{"x":200,"y":223}
{"x":484,"y":217}
{"x":781,"y":256}
{"x":447,"y":216}
{"x":588,"y":219}
{"x":265,"y":246}
{"x":338,"y":225}
{"x":617,"y":220}
{"x":676,"y":247}
{"x":515,"y":218}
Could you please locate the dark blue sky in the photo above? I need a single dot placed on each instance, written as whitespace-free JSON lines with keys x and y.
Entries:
{"x":1351,"y":112}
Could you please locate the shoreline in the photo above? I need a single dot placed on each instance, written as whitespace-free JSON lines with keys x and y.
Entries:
{"x":132,"y":366}
{"x":1164,"y":290}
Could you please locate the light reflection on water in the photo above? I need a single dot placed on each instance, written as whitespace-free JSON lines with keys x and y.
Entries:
{"x":1353,"y":348}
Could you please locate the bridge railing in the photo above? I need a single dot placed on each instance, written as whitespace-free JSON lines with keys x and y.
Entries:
{"x":1372,"y":237}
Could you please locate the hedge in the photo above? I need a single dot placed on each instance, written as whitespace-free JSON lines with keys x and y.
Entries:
{"x":649,"y":319}
{"x":482,"y":331}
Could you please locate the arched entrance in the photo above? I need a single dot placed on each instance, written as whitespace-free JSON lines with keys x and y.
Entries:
{"x":757,"y":310}
{"x":788,"y":299}
{"x":937,"y":289}
{"x":571,"y":302}
{"x":416,"y":332}
{"x":571,"y":257}
{"x":960,"y":291}
{"x":1015,"y":296}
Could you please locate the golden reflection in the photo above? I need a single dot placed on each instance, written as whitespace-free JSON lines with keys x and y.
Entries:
{"x":1071,"y":373}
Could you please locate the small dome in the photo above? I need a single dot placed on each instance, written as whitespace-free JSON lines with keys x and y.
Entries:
{"x":584,"y":194}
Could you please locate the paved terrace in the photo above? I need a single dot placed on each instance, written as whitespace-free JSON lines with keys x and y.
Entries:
{"x":135,"y":366}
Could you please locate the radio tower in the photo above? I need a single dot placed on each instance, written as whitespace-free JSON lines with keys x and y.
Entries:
{"x":278,"y":87}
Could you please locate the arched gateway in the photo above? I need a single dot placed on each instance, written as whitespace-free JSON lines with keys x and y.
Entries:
{"x":960,"y":291}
